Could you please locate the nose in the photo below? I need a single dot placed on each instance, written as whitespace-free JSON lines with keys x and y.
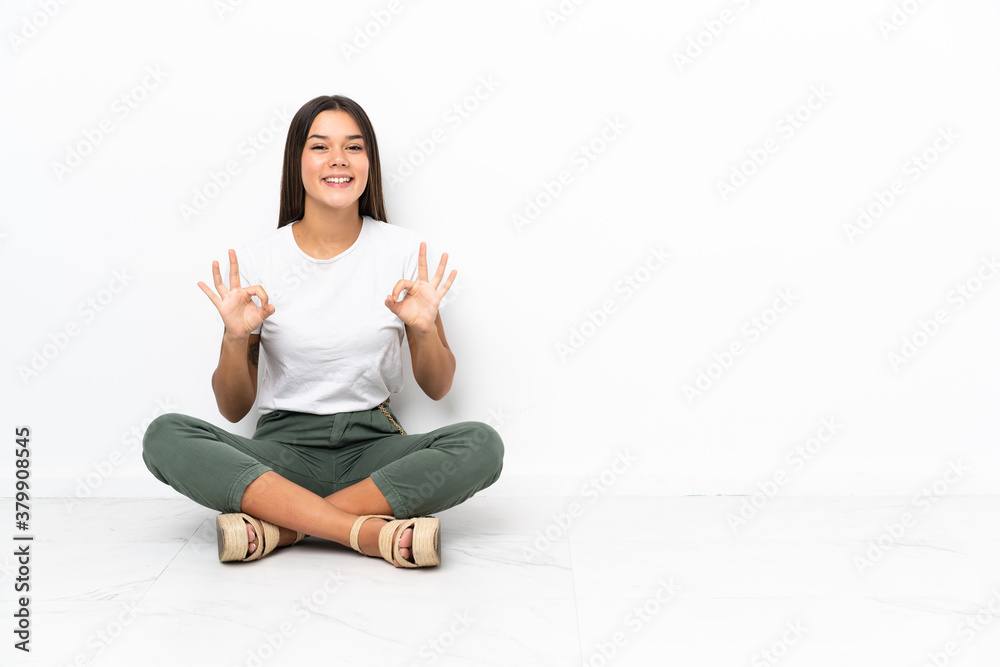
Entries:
{"x":338,"y":157}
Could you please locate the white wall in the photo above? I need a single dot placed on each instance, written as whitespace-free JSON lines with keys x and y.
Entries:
{"x":163,"y":97}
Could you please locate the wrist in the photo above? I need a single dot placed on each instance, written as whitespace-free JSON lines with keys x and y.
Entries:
{"x":235,"y":339}
{"x":419,"y":332}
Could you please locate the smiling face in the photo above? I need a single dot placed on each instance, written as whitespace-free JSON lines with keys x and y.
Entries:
{"x":334,"y":162}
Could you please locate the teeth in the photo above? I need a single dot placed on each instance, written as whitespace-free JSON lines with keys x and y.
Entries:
{"x":341,"y":179}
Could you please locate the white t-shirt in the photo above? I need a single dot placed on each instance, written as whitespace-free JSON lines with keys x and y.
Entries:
{"x":331,"y":345}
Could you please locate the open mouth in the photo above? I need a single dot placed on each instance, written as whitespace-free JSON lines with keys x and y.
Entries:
{"x":338,"y":180}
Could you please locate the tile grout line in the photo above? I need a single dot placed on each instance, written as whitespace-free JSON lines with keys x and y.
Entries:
{"x":170,"y":562}
{"x":572,"y":574}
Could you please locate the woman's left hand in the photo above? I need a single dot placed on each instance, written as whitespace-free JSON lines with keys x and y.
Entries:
{"x":419,"y":306}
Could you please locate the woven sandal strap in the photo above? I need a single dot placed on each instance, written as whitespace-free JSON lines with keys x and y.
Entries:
{"x":389,"y":547}
{"x":271,"y":536}
{"x":259,"y":530}
{"x":356,"y":528}
{"x":267,"y":537}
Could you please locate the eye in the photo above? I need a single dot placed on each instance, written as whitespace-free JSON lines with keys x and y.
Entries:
{"x":355,"y":148}
{"x":318,"y":147}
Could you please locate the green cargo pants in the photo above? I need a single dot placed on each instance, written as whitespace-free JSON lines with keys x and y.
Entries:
{"x":418,"y":474}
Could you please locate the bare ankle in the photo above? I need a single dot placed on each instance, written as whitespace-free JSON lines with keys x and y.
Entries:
{"x":286,"y":536}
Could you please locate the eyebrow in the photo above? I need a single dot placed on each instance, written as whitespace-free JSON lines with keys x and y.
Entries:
{"x":326,"y":138}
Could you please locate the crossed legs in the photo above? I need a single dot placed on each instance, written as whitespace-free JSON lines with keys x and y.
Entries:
{"x":422,"y":473}
{"x":293,"y":509}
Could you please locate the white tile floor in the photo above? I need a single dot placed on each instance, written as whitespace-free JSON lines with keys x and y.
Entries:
{"x":634,"y":581}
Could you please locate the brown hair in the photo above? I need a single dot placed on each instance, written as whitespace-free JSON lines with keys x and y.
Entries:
{"x":293,"y":193}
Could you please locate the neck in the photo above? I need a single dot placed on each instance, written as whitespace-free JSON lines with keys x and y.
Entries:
{"x":329,"y":226}
{"x":325,"y":232}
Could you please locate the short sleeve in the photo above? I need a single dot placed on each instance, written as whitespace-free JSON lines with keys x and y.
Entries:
{"x":411,"y":266}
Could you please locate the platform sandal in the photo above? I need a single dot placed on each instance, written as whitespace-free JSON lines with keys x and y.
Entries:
{"x":426,"y":548}
{"x":233,"y":542}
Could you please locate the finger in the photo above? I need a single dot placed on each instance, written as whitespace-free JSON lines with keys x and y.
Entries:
{"x":400,"y":286}
{"x":258,"y":291}
{"x":211,"y":295}
{"x":422,"y":262}
{"x":217,"y":277}
{"x":234,"y":270}
{"x":391,"y":304}
{"x":447,"y":284}
{"x":436,"y":280}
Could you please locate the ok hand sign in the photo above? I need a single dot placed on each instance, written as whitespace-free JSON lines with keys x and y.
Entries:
{"x":236,"y":306}
{"x":419,"y":307}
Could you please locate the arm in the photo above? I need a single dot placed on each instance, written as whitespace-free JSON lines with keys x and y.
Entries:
{"x":235,"y":379}
{"x":433,"y":361}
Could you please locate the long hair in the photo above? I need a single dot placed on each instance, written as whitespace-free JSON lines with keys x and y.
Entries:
{"x":293,"y":193}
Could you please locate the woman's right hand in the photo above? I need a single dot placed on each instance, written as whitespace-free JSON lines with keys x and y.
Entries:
{"x":235,"y":304}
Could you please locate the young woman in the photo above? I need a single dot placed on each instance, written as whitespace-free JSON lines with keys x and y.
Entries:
{"x":325,"y":301}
